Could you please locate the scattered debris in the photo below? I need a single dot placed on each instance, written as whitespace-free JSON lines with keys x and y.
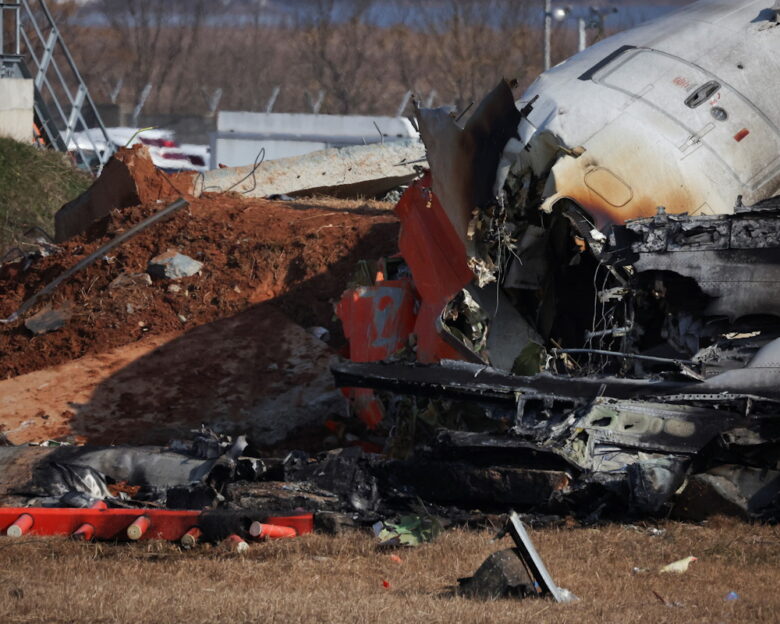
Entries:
{"x":126,"y":280}
{"x":408,"y":531}
{"x":320,"y":333}
{"x":556,"y":336}
{"x":514,"y":572}
{"x":173,"y":265}
{"x":619,"y":334}
{"x":679,"y":566}
{"x":47,"y":320}
{"x":665,"y":602}
{"x":90,"y":259}
{"x":502,"y":575}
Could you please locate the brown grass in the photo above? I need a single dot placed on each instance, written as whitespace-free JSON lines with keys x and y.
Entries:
{"x":339,"y":579}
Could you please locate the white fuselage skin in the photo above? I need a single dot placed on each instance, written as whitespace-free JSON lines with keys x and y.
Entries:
{"x":682,"y":112}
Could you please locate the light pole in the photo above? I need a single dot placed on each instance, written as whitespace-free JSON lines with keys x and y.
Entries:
{"x":558,"y":14}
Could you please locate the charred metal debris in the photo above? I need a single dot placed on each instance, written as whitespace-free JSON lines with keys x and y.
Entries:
{"x":525,"y":352}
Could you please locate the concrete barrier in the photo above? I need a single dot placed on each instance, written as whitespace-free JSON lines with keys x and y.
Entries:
{"x":16,"y":108}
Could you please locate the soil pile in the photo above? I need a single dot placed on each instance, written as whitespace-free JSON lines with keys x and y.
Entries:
{"x":298,"y":255}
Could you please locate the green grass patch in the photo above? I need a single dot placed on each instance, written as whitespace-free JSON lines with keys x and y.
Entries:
{"x":34,"y":184}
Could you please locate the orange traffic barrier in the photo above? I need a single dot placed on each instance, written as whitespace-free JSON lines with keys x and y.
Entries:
{"x":270,"y":531}
{"x":84,"y":533}
{"x":139,"y":526}
{"x":22,"y":524}
{"x":191,"y":537}
{"x":113,"y":524}
{"x":302,"y":523}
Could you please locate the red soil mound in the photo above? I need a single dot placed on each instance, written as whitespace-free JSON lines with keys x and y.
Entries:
{"x":299,"y":255}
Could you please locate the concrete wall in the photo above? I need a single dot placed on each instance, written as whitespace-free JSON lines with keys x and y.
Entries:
{"x":16,"y":108}
{"x":241,"y":135}
{"x":238,"y":152}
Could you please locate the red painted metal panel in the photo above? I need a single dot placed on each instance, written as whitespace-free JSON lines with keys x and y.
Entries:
{"x":377,"y":320}
{"x":437,"y":258}
{"x":302,"y":524}
{"x":430,"y":245}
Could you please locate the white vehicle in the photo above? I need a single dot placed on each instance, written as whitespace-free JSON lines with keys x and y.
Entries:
{"x":166,"y":153}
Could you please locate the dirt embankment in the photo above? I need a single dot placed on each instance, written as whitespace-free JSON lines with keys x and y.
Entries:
{"x":299,"y":255}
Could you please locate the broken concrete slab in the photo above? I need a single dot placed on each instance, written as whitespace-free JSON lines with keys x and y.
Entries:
{"x":173,"y":265}
{"x":358,"y":171}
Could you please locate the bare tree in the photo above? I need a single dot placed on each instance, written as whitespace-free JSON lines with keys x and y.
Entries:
{"x":335,"y":47}
{"x":344,"y":48}
{"x":155,"y":36}
{"x":476,"y":43}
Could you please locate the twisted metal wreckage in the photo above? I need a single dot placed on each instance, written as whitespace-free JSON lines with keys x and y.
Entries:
{"x":596,"y":269}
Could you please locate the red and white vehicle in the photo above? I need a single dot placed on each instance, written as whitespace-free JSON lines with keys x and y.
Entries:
{"x":166,"y":152}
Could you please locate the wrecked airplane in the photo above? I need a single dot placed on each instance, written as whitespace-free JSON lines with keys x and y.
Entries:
{"x":594,"y":266}
{"x":581,"y":318}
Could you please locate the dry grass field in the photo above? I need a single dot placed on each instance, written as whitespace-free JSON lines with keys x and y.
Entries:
{"x":321,"y":578}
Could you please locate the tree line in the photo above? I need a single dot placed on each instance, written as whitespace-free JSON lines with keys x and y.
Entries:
{"x":332,"y":56}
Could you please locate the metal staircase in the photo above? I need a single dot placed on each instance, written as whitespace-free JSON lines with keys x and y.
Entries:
{"x":31,"y":46}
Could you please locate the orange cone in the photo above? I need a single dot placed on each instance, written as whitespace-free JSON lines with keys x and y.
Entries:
{"x":235,"y":542}
{"x":21,"y":526}
{"x":191,"y":537}
{"x":84,"y":533}
{"x":139,"y":526}
{"x":270,"y":531}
